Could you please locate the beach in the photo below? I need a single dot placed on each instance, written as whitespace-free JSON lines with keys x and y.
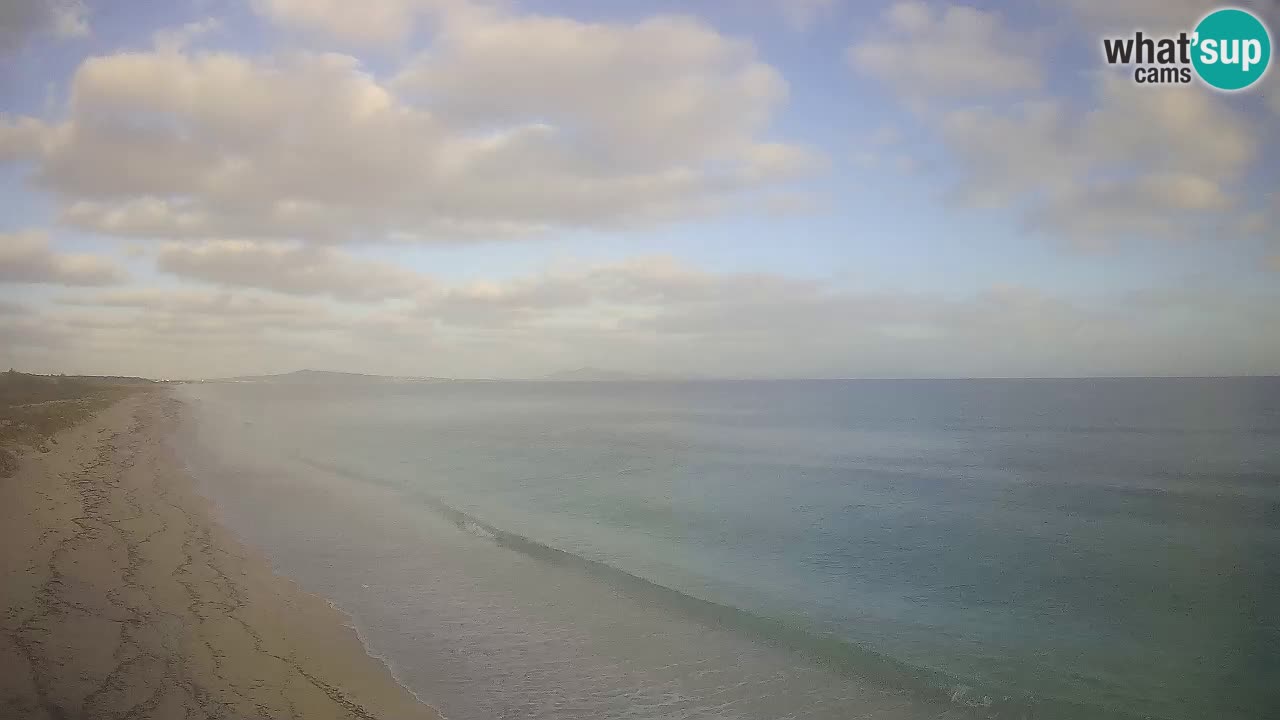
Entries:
{"x":816,"y":550}
{"x":122,"y":597}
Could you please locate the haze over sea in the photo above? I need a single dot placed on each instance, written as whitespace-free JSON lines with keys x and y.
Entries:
{"x":806,"y":549}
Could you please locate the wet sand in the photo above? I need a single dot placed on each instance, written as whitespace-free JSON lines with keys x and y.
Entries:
{"x":122,"y":598}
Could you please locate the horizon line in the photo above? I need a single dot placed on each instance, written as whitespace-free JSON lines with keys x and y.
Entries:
{"x":643,"y":377}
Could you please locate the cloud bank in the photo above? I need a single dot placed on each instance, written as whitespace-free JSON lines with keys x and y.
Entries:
{"x":389,"y":186}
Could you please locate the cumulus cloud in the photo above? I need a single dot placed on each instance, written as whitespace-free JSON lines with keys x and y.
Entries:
{"x":379,"y":21}
{"x":176,"y":39}
{"x":511,"y":124}
{"x":292,"y":268}
{"x":30,"y":338}
{"x":20,"y":138}
{"x":585,"y":292}
{"x":367,"y":23}
{"x":885,"y":135}
{"x":504,"y":123}
{"x":956,"y":51}
{"x":1107,"y":170}
{"x":182,"y":332}
{"x":27,"y":257}
{"x":199,"y":302}
{"x":646,"y":95}
{"x":1115,"y":164}
{"x":1149,"y":15}
{"x":801,"y":15}
{"x":648,"y":313}
{"x":1033,"y":146}
{"x":1141,"y":128}
{"x":656,"y":312}
{"x":1158,"y":205}
{"x":1122,"y":131}
{"x":1271,"y":92}
{"x":21,"y":20}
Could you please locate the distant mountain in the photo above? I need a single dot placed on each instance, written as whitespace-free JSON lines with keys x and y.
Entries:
{"x":590,"y":374}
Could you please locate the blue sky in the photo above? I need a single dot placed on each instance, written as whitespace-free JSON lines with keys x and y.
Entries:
{"x":968,"y":182}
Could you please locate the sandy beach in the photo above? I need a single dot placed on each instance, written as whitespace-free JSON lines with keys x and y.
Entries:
{"x":121,"y":597}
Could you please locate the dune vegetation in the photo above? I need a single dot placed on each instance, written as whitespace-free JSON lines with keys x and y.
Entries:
{"x":35,"y":407}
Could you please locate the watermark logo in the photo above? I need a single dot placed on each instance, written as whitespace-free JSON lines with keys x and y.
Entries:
{"x":1229,"y":49}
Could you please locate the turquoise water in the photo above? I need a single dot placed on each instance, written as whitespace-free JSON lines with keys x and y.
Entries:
{"x":1073,"y":548}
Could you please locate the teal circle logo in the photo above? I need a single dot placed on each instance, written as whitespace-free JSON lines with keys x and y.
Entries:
{"x":1232,"y":49}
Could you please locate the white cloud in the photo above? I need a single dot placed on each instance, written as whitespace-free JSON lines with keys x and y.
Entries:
{"x":1183,"y":191}
{"x":791,"y":204}
{"x":70,"y":19}
{"x":1034,"y":147}
{"x":378,"y":21}
{"x":507,"y":124}
{"x":368,"y":23}
{"x":1271,"y":92}
{"x":182,"y":332}
{"x":645,"y":95}
{"x":581,"y":291}
{"x":292,"y":268}
{"x":646,"y":314}
{"x":1133,"y":164}
{"x":649,"y":313}
{"x":20,"y":138}
{"x":177,"y":39}
{"x":1166,"y":129}
{"x":909,"y":16}
{"x":1161,"y":205}
{"x":886,"y":135}
{"x":510,"y":124}
{"x":26,"y":257}
{"x":801,"y":15}
{"x":29,"y":338}
{"x":763,"y":162}
{"x":143,"y":216}
{"x":1121,"y":163}
{"x":200,"y":302}
{"x":20,"y":20}
{"x":1148,"y":15}
{"x":958,"y":51}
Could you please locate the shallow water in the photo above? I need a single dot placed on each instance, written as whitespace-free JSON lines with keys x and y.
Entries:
{"x":815,"y":549}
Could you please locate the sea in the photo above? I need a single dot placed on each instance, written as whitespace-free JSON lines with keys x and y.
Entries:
{"x":825,"y":549}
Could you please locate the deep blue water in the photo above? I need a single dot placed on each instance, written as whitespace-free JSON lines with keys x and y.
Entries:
{"x":1003,"y":548}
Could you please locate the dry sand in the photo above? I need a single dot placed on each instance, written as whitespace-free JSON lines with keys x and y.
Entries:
{"x":122,"y":599}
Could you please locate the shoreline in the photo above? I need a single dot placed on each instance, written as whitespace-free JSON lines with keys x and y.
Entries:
{"x":124,"y":595}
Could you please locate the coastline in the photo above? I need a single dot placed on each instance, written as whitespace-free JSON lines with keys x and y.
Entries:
{"x":124,"y":596}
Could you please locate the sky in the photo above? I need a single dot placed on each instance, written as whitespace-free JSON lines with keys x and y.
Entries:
{"x":510,"y":188}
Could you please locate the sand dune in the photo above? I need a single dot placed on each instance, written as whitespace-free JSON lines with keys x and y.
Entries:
{"x":121,"y":598}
